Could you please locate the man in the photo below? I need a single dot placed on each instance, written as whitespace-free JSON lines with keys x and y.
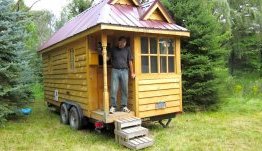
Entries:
{"x":121,"y":57}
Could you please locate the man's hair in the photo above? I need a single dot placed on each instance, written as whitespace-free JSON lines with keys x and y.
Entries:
{"x":122,"y":38}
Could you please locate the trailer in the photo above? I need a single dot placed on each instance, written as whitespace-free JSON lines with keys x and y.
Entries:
{"x":77,"y":73}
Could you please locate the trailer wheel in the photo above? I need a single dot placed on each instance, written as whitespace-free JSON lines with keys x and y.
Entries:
{"x":64,"y":116}
{"x":74,"y":118}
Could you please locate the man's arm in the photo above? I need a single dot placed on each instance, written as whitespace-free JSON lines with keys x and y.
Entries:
{"x":133,"y":75}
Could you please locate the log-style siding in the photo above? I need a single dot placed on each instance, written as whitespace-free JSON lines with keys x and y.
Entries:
{"x":71,"y":84}
{"x":151,"y":91}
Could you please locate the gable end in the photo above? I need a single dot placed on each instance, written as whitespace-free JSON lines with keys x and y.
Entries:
{"x":157,"y":12}
{"x":124,"y":2}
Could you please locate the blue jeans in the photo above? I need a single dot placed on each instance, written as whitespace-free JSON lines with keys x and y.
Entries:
{"x":119,"y":76}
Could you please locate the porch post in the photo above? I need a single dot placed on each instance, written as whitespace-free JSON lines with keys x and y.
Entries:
{"x":105,"y":93}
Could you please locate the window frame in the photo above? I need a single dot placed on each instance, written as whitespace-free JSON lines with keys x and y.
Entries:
{"x":70,"y":69}
{"x":158,"y":55}
{"x":49,"y":63}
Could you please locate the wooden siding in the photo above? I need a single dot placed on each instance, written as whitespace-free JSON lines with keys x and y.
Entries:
{"x":157,"y":15}
{"x":151,"y":91}
{"x":71,"y":84}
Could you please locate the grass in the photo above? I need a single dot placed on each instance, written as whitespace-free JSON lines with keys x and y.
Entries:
{"x":237,"y":125}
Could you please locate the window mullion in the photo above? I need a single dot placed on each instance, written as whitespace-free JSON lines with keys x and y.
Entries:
{"x":167,"y":65}
{"x":158,"y":56}
{"x":149,"y":58}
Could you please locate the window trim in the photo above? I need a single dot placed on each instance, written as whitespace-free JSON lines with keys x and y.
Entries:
{"x":158,"y":55}
{"x":50,"y":63}
{"x":69,"y":60}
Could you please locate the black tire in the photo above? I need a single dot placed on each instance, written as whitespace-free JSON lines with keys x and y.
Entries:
{"x":74,"y":119}
{"x":64,"y":115}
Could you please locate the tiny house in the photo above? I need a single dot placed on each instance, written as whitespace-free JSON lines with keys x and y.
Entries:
{"x":77,"y":73}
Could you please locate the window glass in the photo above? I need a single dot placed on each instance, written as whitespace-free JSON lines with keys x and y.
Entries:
{"x":154,"y":64}
{"x":153,"y":46}
{"x":171,"y":67}
{"x":72,"y":59}
{"x":163,"y":67}
{"x":159,"y":53}
{"x":163,"y":46}
{"x":144,"y":45}
{"x":171,"y":47}
{"x":145,"y":65}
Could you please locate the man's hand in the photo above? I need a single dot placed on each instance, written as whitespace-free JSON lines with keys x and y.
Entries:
{"x":133,"y":76}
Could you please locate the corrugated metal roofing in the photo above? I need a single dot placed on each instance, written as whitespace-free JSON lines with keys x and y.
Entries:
{"x":103,"y":12}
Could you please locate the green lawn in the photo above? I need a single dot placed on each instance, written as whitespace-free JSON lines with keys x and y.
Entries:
{"x":236,"y":126}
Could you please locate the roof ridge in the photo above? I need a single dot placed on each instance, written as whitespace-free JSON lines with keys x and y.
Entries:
{"x":147,"y":3}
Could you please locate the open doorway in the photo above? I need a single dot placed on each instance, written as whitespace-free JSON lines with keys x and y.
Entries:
{"x":112,"y":41}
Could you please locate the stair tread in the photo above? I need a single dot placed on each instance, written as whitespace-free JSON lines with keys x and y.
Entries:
{"x":127,"y":122}
{"x":138,"y":143}
{"x":134,"y":129}
{"x":132,"y":132}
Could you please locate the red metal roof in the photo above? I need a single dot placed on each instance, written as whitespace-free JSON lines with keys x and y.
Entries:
{"x":105,"y":13}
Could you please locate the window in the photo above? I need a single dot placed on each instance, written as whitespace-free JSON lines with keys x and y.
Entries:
{"x":157,"y":55}
{"x":49,"y":63}
{"x":72,"y":59}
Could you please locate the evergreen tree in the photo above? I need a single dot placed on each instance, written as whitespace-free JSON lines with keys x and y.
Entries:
{"x":13,"y":87}
{"x":243,"y":19}
{"x":200,"y":51}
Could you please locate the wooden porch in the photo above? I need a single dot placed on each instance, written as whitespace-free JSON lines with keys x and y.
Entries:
{"x":110,"y":118}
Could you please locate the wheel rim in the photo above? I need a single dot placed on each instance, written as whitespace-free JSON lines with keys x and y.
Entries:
{"x":63,"y":114}
{"x":73,"y":119}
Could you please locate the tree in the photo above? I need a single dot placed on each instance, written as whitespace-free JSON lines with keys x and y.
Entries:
{"x":200,"y":52}
{"x":14,"y":87}
{"x":74,"y":8}
{"x":243,"y":17}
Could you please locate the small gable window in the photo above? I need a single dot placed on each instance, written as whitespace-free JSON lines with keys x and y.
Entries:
{"x":157,"y":55}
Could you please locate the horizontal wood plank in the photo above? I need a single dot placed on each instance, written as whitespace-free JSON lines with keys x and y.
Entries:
{"x":67,"y":76}
{"x":58,"y":52}
{"x":158,"y":81}
{"x":149,"y":94}
{"x":63,"y":97}
{"x":157,"y":99}
{"x":59,"y":62}
{"x":158,"y":87}
{"x":147,"y":107}
{"x":80,"y":51}
{"x":59,"y":57}
{"x":80,"y":58}
{"x":67,"y":92}
{"x":66,"y":81}
{"x":159,"y":112}
{"x":66,"y":86}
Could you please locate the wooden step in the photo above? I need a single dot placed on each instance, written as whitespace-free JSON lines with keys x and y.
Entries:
{"x":127,"y":122}
{"x":132,"y":132}
{"x":138,"y":143}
